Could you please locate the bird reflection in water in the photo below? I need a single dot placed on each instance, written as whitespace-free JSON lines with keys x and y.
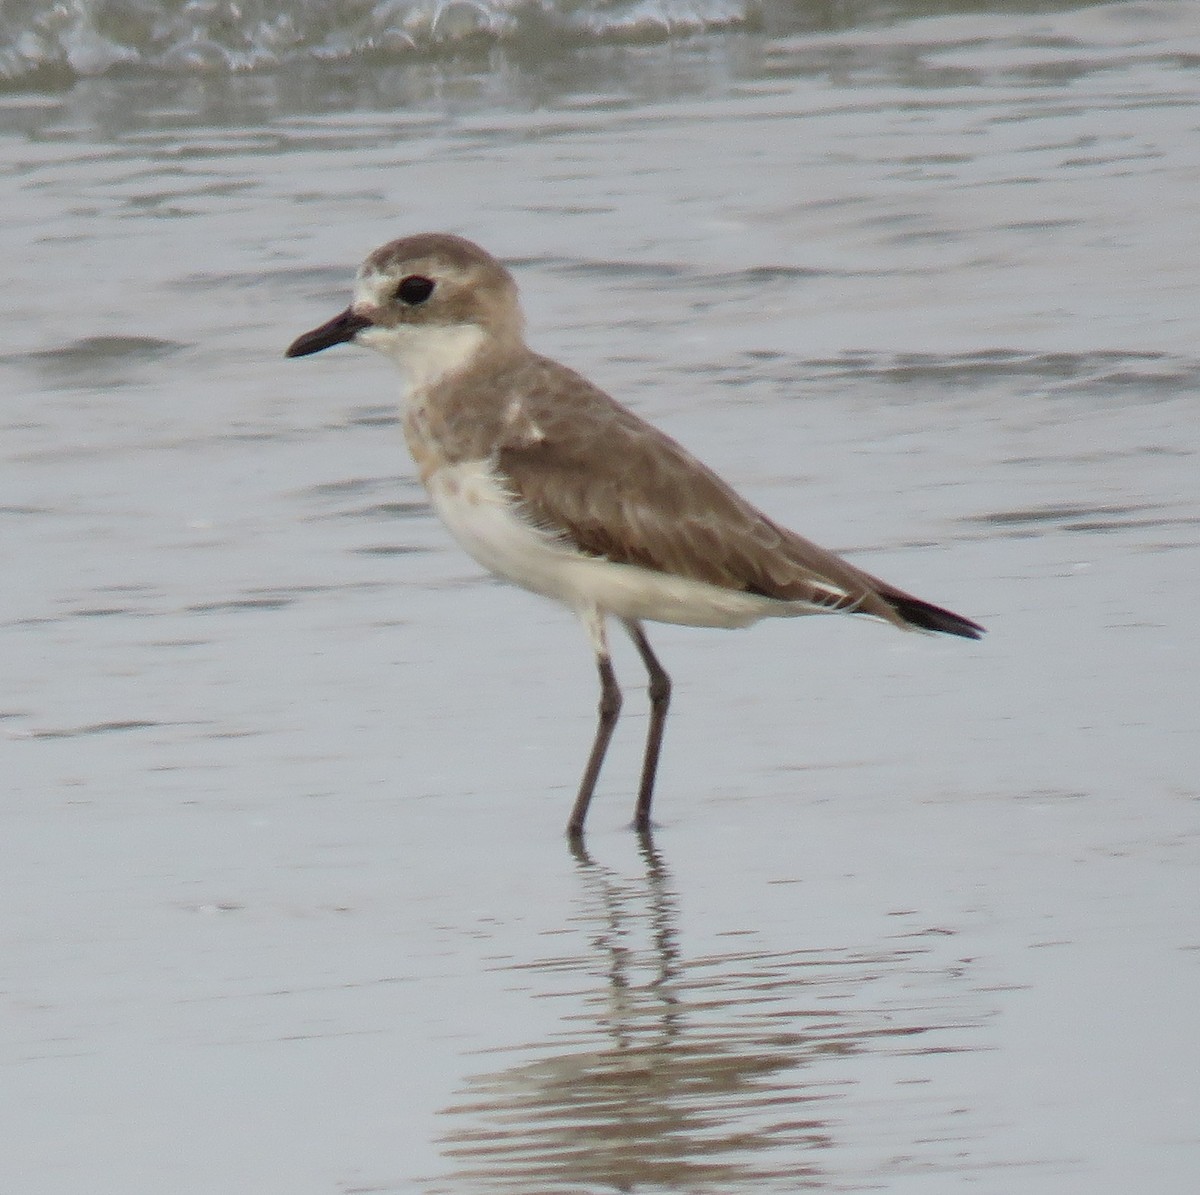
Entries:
{"x":697,"y":1074}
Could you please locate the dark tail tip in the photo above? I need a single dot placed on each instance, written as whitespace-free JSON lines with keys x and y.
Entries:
{"x":932,"y":618}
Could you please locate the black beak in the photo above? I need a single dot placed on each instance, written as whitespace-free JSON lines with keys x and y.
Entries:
{"x":341,"y":328}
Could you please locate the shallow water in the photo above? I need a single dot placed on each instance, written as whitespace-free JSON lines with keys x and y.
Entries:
{"x":288,"y":904}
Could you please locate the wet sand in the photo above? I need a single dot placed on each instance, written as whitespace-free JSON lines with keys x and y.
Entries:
{"x":288,"y":903}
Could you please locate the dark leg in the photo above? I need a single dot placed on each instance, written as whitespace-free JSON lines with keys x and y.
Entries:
{"x":610,"y":708}
{"x":660,"y":700}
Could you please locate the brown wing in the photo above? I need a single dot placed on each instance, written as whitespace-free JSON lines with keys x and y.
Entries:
{"x":589,"y":469}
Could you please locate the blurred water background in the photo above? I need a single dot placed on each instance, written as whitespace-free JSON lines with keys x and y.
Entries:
{"x":286,"y":901}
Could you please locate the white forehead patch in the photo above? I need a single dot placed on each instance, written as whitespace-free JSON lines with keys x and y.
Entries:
{"x":374,"y":287}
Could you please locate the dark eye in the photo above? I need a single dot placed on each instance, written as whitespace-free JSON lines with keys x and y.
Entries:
{"x":414,"y":289}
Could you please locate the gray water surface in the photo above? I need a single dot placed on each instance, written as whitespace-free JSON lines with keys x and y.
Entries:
{"x":287,"y":902}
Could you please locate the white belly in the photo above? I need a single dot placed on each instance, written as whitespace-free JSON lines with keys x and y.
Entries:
{"x":483,"y":517}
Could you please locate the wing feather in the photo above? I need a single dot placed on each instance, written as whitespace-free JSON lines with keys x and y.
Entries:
{"x":616,"y":487}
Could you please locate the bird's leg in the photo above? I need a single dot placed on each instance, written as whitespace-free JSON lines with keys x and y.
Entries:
{"x":610,"y":709}
{"x":660,"y":700}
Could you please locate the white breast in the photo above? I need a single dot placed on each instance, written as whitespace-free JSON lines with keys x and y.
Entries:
{"x":483,"y":516}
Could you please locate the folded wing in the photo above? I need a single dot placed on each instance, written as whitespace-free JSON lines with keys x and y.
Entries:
{"x":616,"y":487}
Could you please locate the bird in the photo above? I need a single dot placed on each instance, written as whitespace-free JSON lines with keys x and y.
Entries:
{"x":550,"y":483}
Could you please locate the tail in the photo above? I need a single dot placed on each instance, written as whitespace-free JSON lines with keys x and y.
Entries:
{"x":927,"y":617}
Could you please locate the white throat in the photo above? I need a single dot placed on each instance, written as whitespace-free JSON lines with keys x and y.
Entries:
{"x":426,"y":353}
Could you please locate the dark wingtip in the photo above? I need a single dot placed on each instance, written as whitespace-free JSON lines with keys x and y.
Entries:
{"x":929,"y":617}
